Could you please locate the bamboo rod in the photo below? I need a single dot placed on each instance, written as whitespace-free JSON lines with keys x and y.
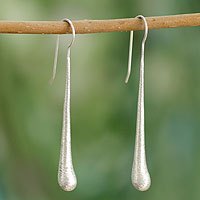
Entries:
{"x":99,"y":26}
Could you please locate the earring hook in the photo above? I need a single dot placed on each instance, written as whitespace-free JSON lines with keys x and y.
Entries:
{"x":66,"y":174}
{"x":131,"y":46}
{"x":57,"y":47}
{"x":73,"y":30}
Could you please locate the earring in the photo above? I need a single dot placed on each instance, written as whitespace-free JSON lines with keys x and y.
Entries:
{"x":140,"y":176}
{"x":66,"y":175}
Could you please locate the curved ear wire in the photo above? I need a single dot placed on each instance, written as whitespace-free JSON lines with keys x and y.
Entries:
{"x":140,"y":176}
{"x":57,"y":48}
{"x":66,"y":175}
{"x":129,"y":56}
{"x":55,"y":59}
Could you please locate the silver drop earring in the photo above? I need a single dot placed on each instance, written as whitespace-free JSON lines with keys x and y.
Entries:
{"x":66,"y":175}
{"x":140,"y":176}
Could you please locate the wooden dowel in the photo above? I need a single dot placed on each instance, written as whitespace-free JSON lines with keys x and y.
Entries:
{"x":99,"y":26}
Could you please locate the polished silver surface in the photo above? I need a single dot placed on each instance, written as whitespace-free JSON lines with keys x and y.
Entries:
{"x":66,"y":175}
{"x":140,"y":176}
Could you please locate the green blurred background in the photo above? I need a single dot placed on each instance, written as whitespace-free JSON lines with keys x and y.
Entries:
{"x":103,"y":108}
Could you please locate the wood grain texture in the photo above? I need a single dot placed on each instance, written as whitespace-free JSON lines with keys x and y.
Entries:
{"x":99,"y":26}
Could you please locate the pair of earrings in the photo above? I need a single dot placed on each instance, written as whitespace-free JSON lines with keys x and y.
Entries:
{"x":140,"y":176}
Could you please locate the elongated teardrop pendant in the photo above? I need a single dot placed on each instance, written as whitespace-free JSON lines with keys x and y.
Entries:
{"x":66,"y":175}
{"x":140,"y":175}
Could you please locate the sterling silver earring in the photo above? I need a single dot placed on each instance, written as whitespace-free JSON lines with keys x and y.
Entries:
{"x":140,"y":176}
{"x":66,"y":175}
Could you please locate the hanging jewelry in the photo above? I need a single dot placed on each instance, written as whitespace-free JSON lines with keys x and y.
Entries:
{"x":140,"y":176}
{"x":66,"y":175}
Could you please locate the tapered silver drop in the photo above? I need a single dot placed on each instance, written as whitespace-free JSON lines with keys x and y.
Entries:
{"x":66,"y":175}
{"x":140,"y":176}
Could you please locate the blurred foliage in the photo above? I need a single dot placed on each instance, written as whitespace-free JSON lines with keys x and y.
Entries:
{"x":103,"y":107}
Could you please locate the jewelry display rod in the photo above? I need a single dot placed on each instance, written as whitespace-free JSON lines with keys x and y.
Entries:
{"x":99,"y":26}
